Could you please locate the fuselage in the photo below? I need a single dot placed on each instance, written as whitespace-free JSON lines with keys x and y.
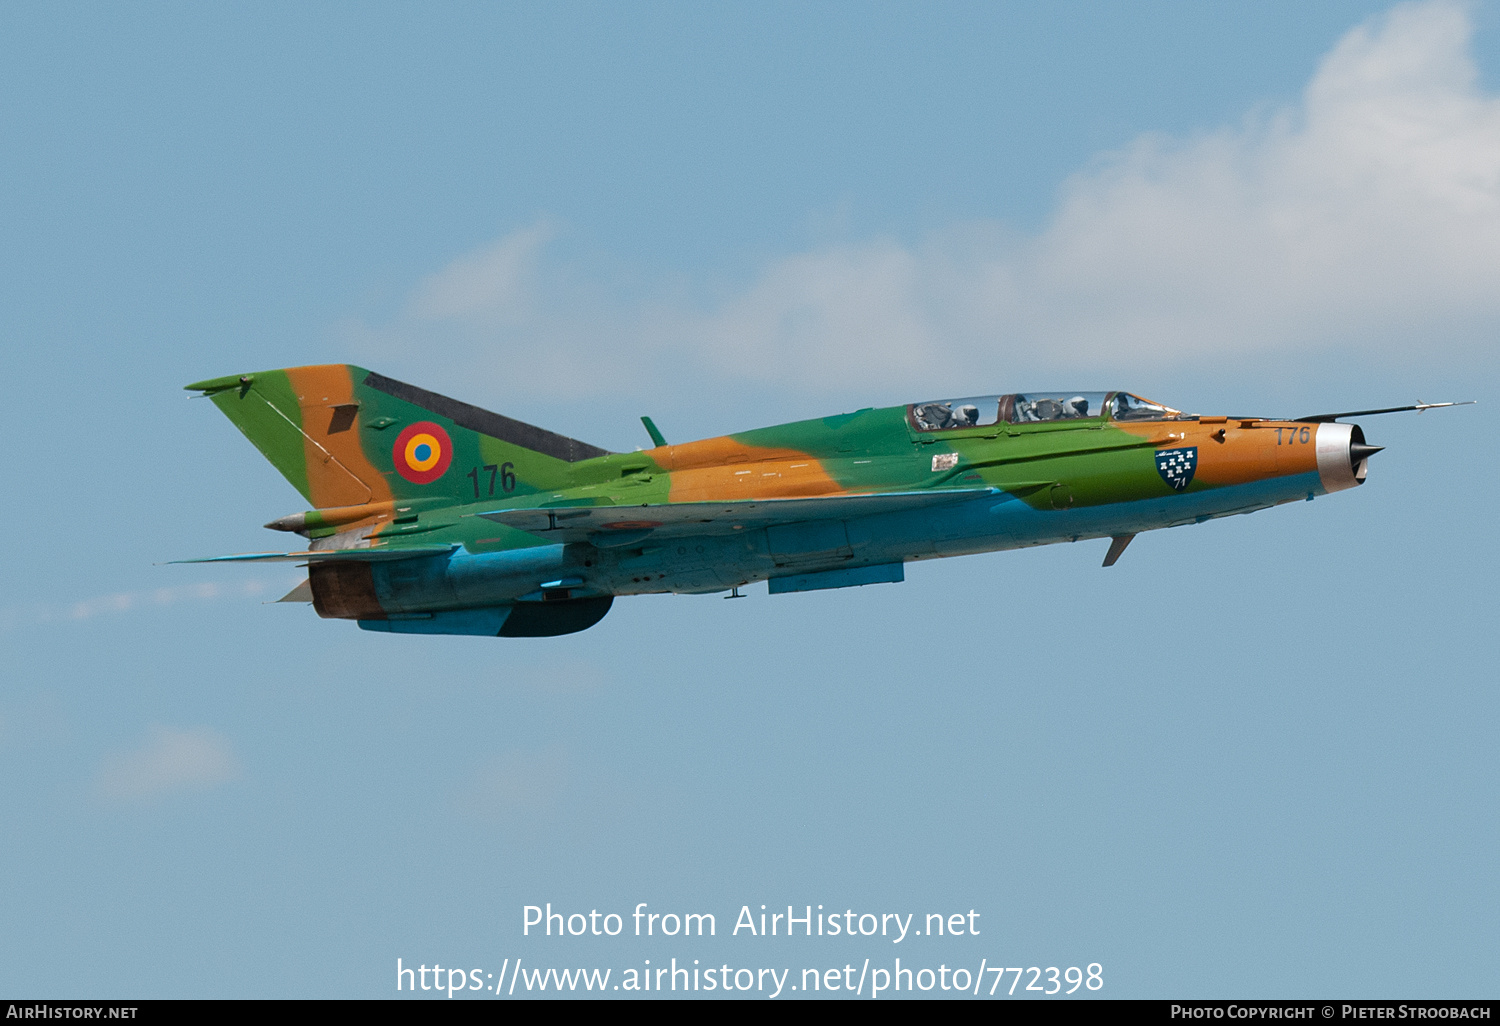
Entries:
{"x":1019,"y":479}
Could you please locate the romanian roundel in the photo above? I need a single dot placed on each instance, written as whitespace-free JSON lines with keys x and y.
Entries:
{"x":422,"y":452}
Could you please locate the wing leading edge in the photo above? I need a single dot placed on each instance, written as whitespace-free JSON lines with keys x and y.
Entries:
{"x":370,"y":555}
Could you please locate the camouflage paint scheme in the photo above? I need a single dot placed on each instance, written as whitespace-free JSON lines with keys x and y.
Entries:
{"x":432,"y":516}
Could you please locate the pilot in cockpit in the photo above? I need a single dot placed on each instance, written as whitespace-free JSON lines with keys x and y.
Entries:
{"x":933,"y":416}
{"x":966,"y":415}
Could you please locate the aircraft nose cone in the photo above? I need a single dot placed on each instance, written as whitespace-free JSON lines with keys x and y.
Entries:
{"x":1359,"y":451}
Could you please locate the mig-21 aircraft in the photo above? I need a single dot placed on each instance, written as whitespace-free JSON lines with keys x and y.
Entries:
{"x":431,"y":516}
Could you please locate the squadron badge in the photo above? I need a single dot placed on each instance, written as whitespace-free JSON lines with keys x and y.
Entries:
{"x":1176,"y":466}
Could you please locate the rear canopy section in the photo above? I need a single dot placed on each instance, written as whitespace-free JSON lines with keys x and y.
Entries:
{"x":344,"y":436}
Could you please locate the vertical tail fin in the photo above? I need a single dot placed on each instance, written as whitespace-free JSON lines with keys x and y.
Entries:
{"x":344,"y":436}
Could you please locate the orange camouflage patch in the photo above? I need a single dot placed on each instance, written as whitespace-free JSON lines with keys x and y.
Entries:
{"x":721,"y":470}
{"x":338,"y":471}
{"x":1235,"y":451}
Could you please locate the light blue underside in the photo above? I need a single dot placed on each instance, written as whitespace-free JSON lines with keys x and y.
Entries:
{"x":888,"y":573}
{"x":471,"y":593}
{"x":480,"y":622}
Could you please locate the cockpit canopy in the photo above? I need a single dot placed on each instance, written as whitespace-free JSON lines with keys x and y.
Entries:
{"x":1035,"y":408}
{"x":1124,"y":406}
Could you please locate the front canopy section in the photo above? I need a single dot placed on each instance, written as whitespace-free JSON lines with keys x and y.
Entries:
{"x":1035,"y":408}
{"x":1124,"y":406}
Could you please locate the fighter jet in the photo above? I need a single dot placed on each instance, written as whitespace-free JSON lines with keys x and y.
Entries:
{"x":431,"y":516}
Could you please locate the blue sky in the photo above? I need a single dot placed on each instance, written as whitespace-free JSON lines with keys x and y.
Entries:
{"x":1254,"y":758}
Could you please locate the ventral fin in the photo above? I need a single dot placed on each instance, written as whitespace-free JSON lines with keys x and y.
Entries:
{"x":1116,"y":548}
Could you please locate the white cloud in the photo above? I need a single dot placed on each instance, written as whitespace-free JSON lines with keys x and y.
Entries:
{"x":21,"y":616}
{"x":815,"y":312}
{"x":495,"y":282}
{"x":1372,"y":208}
{"x":1367,"y":214}
{"x":171,"y":761}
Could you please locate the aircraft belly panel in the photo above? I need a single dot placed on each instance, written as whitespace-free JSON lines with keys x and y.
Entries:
{"x":414,"y":584}
{"x":480,"y":622}
{"x":853,"y":577}
{"x":816,"y":542}
{"x":494,"y":577}
{"x":700,"y":582}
